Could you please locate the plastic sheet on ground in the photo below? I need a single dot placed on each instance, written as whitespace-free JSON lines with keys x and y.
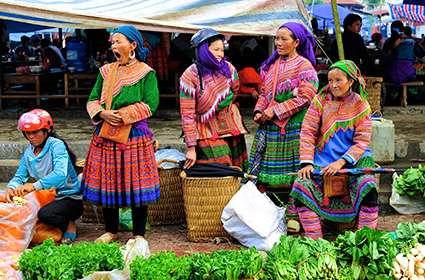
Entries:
{"x":169,"y":154}
{"x":17,"y":224}
{"x":8,"y":266}
{"x":253,"y":219}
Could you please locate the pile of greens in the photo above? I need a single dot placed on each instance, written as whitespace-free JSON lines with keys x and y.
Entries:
{"x":364,"y":254}
{"x":161,"y":266}
{"x":50,"y":262}
{"x":297,"y":258}
{"x":219,"y":265}
{"x":411,"y":182}
{"x":228,"y":265}
{"x":369,"y":254}
{"x":409,"y":234}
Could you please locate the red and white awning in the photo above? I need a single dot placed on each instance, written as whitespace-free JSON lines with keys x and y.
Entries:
{"x":409,"y":12}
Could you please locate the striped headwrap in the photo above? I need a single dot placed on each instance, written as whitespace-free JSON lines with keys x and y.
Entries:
{"x":353,"y":72}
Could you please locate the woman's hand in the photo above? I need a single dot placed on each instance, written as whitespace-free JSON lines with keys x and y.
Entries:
{"x":24,"y":189}
{"x":334,"y":167}
{"x":10,"y":193}
{"x":305,"y":172}
{"x":190,"y":157}
{"x":268,"y":114}
{"x":258,"y":117}
{"x":112,"y":117}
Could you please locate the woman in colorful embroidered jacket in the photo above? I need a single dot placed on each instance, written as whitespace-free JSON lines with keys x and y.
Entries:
{"x":50,"y":162}
{"x":336,"y":133}
{"x":212,"y":125}
{"x":289,"y":84}
{"x":123,"y":173}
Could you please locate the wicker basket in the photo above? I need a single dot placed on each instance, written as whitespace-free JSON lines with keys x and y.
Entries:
{"x":204,"y":201}
{"x":374,"y":89}
{"x":169,"y":209}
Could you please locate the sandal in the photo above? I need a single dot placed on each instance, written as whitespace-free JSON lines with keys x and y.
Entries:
{"x":106,"y":238}
{"x":293,"y":226}
{"x":68,"y":238}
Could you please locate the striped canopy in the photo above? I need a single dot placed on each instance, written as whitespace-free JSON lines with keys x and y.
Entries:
{"x":414,"y":13}
{"x":260,"y":17}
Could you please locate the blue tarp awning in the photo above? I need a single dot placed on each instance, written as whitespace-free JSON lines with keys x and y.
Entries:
{"x":260,"y":17}
{"x":324,"y":11}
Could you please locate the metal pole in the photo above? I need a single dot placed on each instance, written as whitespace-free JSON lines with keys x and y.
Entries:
{"x":337,"y":30}
{"x":61,"y":37}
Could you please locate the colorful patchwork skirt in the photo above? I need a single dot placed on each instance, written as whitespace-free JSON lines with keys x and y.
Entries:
{"x":280,"y":153}
{"x":342,"y":210}
{"x":228,"y":150}
{"x":119,"y":175}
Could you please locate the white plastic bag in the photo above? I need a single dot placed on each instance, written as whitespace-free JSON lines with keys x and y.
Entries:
{"x":404,"y":204}
{"x":253,"y":219}
{"x":134,"y":248}
{"x":108,"y":275}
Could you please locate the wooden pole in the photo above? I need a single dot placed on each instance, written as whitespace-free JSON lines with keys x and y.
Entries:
{"x":337,"y":30}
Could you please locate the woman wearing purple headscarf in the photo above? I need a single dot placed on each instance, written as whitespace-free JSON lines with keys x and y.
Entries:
{"x":289,"y":84}
{"x":212,"y":125}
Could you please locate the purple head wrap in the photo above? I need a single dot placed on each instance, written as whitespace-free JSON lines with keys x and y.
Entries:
{"x":305,"y":47}
{"x":208,"y":64}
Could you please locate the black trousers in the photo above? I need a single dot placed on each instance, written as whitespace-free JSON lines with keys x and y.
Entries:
{"x":138,"y":215}
{"x":60,"y":212}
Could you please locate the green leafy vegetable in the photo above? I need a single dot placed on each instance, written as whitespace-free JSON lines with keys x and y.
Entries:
{"x":298,"y":258}
{"x":411,"y":182}
{"x":68,"y":262}
{"x":228,"y":265}
{"x":161,"y":266}
{"x":369,"y":253}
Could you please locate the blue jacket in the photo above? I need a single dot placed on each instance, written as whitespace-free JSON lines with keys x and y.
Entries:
{"x":52,"y":168}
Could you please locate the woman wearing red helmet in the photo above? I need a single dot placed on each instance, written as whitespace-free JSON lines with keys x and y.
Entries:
{"x":49,"y":161}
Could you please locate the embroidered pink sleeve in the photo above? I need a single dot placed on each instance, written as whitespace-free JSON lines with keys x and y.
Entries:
{"x":94,"y":108}
{"x":361,"y":140}
{"x":310,"y":130}
{"x":235,"y":82}
{"x":188,"y":107}
{"x":305,"y":93}
{"x":135,"y":112}
{"x":93,"y":105}
{"x":263,"y":100}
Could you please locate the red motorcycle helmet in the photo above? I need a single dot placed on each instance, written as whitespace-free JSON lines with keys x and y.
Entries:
{"x":44,"y":115}
{"x":32,"y":122}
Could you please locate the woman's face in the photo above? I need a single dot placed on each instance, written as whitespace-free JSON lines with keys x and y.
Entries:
{"x":121,"y":47}
{"x":355,"y":26}
{"x":285,"y":44}
{"x":36,"y":138}
{"x":339,"y":84}
{"x":217,"y":49}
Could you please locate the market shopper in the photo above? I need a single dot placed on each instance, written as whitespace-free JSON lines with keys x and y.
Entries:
{"x":354,"y":46}
{"x":120,"y":169}
{"x":49,"y":161}
{"x":398,"y":56}
{"x":336,"y":134}
{"x":289,"y":84}
{"x":212,"y":125}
